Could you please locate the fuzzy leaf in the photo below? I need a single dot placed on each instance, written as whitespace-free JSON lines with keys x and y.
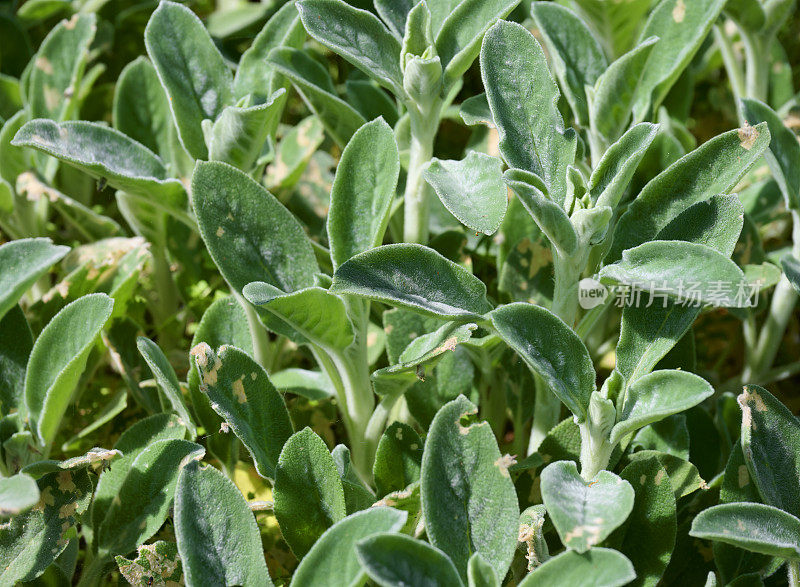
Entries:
{"x":584,"y":513}
{"x":791,"y":268}
{"x":480,"y":573}
{"x":191,"y":69}
{"x":523,"y":96}
{"x":468,"y":498}
{"x":241,"y":392}
{"x":753,"y":526}
{"x":155,"y":563}
{"x":57,"y":360}
{"x":218,"y":538}
{"x":105,"y":153}
{"x":333,"y":559}
{"x":15,"y":348}
{"x":397,"y":559}
{"x":22,"y":262}
{"x":429,"y":346}
{"x":656,"y":396}
{"x":308,"y":492}
{"x":363,"y":191}
{"x":397,"y":459}
{"x":600,"y":567}
{"x":771,"y":446}
{"x":18,"y":494}
{"x":716,"y":223}
{"x":414,"y":277}
{"x":471,"y":189}
{"x":552,"y":350}
{"x":714,"y":168}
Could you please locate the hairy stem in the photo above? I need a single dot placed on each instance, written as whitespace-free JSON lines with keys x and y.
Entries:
{"x":424,"y":125}
{"x":731,"y":61}
{"x":258,"y":334}
{"x":757,"y":65}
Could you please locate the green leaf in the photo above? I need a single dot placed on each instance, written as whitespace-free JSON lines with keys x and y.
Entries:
{"x":753,"y":526}
{"x":458,"y":42}
{"x":415,"y":277}
{"x":22,"y":262}
{"x":149,"y":484}
{"x":600,"y":567}
{"x":141,"y":109}
{"x":397,"y":559}
{"x":480,"y":573}
{"x":648,"y":537}
{"x":475,"y":110}
{"x":612,"y":175}
{"x":684,"y":271}
{"x":308,"y":492}
{"x":314,"y":84}
{"x":549,"y":216}
{"x":681,"y":27}
{"x":57,"y":360}
{"x":714,"y":168}
{"x":241,"y":392}
{"x":783,"y":154}
{"x":356,"y":495}
{"x":576,"y":56}
{"x":523,"y":98}
{"x":394,"y":13}
{"x":552,"y":350}
{"x":771,"y":446}
{"x":294,"y":153}
{"x":471,"y":189}
{"x":93,"y":458}
{"x":468,"y":498}
{"x":166,"y":379}
{"x":398,"y":459}
{"x":198,"y":82}
{"x":314,"y":385}
{"x":584,"y":513}
{"x":18,"y":494}
{"x":333,"y":559}
{"x":238,"y":135}
{"x":716,"y":223}
{"x":656,"y":396}
{"x":15,"y":348}
{"x":429,"y":346}
{"x":250,"y":235}
{"x":613,"y":96}
{"x":30,"y":542}
{"x":791,"y":268}
{"x":105,"y":153}
{"x":683,"y":475}
{"x":358,"y":36}
{"x":218,"y":538}
{"x":254,"y":75}
{"x":154,"y":563}
{"x":59,"y":66}
{"x":747,"y":13}
{"x":363,"y":191}
{"x":131,"y":444}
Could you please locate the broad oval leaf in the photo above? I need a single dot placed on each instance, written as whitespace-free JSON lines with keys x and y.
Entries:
{"x":468,"y":498}
{"x":57,"y":361}
{"x":584,"y":512}
{"x":398,"y":459}
{"x":397,"y":559}
{"x":656,"y":396}
{"x":218,"y":538}
{"x":716,"y":223}
{"x":18,"y":494}
{"x":363,"y":191}
{"x":105,"y":153}
{"x":241,"y":392}
{"x":471,"y":189}
{"x":308,"y":492}
{"x":22,"y":262}
{"x":333,"y":559}
{"x":194,"y":75}
{"x":414,"y":277}
{"x":600,"y":567}
{"x":752,"y":526}
{"x":552,"y":350}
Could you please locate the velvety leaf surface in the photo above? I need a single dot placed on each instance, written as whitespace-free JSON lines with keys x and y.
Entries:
{"x":791,"y":268}
{"x":156,"y":562}
{"x":752,"y":526}
{"x":57,"y":361}
{"x":468,"y":498}
{"x":308,"y":492}
{"x":471,"y":189}
{"x":22,"y":262}
{"x":333,"y":559}
{"x":18,"y":494}
{"x":414,"y":277}
{"x":480,"y":573}
{"x":363,"y":191}
{"x":191,"y":69}
{"x":601,"y":567}
{"x":584,"y":513}
{"x":218,"y":538}
{"x":398,"y":458}
{"x":397,"y":559}
{"x":429,"y":346}
{"x":522,"y":96}
{"x":241,"y":392}
{"x":552,"y":350}
{"x":716,"y":223}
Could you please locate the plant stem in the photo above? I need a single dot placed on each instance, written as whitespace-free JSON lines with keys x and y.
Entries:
{"x":262,"y":350}
{"x":793,"y":568}
{"x":757,"y":68}
{"x":546,"y":414}
{"x":94,"y":573}
{"x":731,"y":61}
{"x":424,"y":124}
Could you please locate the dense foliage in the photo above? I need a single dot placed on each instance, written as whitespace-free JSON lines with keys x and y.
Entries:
{"x":457,"y":292}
